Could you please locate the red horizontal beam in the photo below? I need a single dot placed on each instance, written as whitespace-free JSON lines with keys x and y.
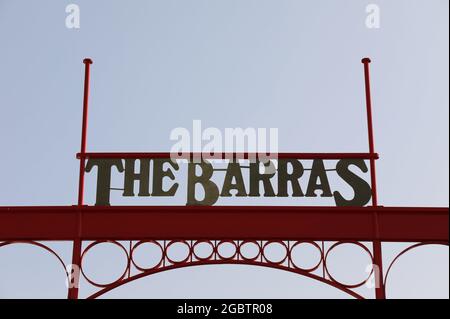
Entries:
{"x":224,"y":222}
{"x":324,"y":156}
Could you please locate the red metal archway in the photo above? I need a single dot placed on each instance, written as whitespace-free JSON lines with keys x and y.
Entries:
{"x":238,"y":226}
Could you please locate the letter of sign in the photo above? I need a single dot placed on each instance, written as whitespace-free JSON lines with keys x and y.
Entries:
{"x":318,"y":172}
{"x":256,"y":177}
{"x":104,"y":177}
{"x":158,"y":175}
{"x":210,"y":189}
{"x":233,"y":172}
{"x":284,"y":177}
{"x":143,"y":177}
{"x":361,"y":188}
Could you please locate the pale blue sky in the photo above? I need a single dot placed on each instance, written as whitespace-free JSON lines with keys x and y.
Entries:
{"x":290,"y":64}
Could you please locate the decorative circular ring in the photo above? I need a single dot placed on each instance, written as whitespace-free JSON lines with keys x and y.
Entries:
{"x":154,"y":242}
{"x":242,"y":244}
{"x":223,"y":242}
{"x":344,"y":243}
{"x":314,"y":244}
{"x":199,"y":242}
{"x":92,"y":245}
{"x":183,"y":242}
{"x":282,"y":260}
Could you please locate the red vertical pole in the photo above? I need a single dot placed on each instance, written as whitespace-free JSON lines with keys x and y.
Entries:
{"x":87,"y":65}
{"x":377,"y":251}
{"x":76,"y":252}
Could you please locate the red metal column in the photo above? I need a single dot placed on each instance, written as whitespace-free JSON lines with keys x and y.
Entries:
{"x":377,"y":250}
{"x":76,"y":252}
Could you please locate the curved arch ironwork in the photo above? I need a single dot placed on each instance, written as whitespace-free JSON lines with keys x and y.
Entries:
{"x":192,"y":257}
{"x":40,"y":245}
{"x":214,"y":254}
{"x":405,"y":251}
{"x":173,"y":267}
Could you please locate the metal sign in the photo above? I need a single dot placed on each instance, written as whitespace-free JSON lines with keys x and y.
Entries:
{"x":198,"y":223}
{"x":262,"y":175}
